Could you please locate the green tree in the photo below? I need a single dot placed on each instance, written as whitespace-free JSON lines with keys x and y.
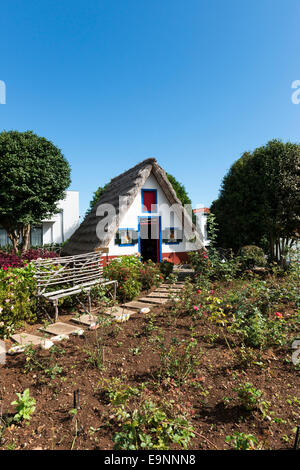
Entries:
{"x":34,"y":176}
{"x":96,"y":196}
{"x":259,"y":199}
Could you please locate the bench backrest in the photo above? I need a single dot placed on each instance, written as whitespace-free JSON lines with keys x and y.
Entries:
{"x":68,"y":271}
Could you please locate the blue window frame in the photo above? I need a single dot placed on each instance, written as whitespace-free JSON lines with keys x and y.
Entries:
{"x":155,"y":199}
{"x":126,"y":233}
{"x":171,"y":236}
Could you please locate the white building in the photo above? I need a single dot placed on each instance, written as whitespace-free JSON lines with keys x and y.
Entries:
{"x":138,"y":213}
{"x":55,"y":229}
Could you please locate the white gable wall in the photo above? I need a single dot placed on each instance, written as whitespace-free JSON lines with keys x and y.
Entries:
{"x":131,"y":218}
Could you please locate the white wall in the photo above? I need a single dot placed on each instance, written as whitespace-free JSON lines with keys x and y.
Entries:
{"x":202,"y":222}
{"x":59,"y":227}
{"x":130,"y":220}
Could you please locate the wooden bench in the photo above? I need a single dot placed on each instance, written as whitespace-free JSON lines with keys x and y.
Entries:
{"x":70,"y":275}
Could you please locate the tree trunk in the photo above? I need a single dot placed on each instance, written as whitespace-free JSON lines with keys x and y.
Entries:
{"x":25,"y":237}
{"x":14,"y":236}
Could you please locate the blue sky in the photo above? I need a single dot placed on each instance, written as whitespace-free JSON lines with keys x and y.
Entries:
{"x":193,"y":83}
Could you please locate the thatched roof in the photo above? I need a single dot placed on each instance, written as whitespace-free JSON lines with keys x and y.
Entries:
{"x":127,"y":186}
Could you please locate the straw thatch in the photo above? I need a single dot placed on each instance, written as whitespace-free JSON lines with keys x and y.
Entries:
{"x":127,"y":185}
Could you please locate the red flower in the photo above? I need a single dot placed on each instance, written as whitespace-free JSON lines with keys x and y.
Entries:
{"x":199,"y":291}
{"x":278,"y":315}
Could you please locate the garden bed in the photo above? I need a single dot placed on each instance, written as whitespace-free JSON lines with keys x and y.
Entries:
{"x":137,"y":364}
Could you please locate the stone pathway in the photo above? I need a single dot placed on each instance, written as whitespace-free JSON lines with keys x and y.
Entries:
{"x":61,"y":331}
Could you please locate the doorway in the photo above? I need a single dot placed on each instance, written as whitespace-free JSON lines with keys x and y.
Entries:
{"x":150,"y":239}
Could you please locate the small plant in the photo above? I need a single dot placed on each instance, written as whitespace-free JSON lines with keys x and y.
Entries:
{"x":150,"y":427}
{"x":248,"y":395}
{"x":25,"y":406}
{"x":242,"y":441}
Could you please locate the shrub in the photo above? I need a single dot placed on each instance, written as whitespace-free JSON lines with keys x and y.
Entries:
{"x":150,"y":426}
{"x":125,"y":270}
{"x":11,"y":260}
{"x":166,"y":267}
{"x":150,"y":275}
{"x":252,"y":256}
{"x":249,"y":395}
{"x":132,"y":275}
{"x":17,"y":300}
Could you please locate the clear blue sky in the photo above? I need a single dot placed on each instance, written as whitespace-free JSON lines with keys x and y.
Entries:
{"x":193,"y":83}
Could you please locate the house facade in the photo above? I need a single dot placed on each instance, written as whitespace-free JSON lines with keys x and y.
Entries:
{"x":146,"y":219}
{"x":55,"y":229}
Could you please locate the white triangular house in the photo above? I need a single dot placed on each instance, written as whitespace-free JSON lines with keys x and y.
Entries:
{"x":139,"y":212}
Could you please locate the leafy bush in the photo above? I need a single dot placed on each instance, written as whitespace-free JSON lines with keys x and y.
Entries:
{"x":249,"y":396}
{"x":11,"y":260}
{"x":150,"y":275}
{"x":166,"y":268}
{"x":151,"y":427}
{"x":211,"y":263}
{"x":132,"y":275}
{"x":252,"y":256}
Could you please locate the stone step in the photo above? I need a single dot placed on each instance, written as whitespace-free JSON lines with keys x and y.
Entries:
{"x":137,"y":305}
{"x":26,"y":339}
{"x":153,"y":300}
{"x":86,"y":320}
{"x":120,"y":314}
{"x":159,"y":295}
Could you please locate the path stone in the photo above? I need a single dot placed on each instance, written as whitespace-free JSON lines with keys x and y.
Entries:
{"x":137,"y":305}
{"x":120,"y":314}
{"x":160,"y":295}
{"x":153,"y":300}
{"x":85,"y":319}
{"x":171,"y":286}
{"x":60,"y":328}
{"x":25,"y":339}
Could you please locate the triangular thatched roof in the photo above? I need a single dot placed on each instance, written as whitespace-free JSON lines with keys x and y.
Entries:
{"x":127,"y":186}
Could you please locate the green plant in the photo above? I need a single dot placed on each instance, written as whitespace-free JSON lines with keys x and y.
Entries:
{"x":166,"y":268}
{"x":248,"y":395}
{"x":252,"y":256}
{"x":150,"y":427}
{"x":242,"y":441}
{"x":179,"y":359}
{"x":25,"y":406}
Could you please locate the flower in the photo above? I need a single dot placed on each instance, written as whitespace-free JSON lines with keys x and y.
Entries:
{"x":195,"y":307}
{"x":212,"y":291}
{"x":278,"y":314}
{"x":199,"y":291}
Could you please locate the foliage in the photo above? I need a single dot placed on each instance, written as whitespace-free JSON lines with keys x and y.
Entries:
{"x":34,"y":177}
{"x":179,"y":359}
{"x":242,"y":441}
{"x":150,"y":275}
{"x":166,"y":268}
{"x":25,"y":406}
{"x":17,"y":300}
{"x":248,"y":395}
{"x":259,"y":199}
{"x":209,"y":262}
{"x":252,"y":256}
{"x":132,"y":275}
{"x":96,"y":196}
{"x":12,"y":260}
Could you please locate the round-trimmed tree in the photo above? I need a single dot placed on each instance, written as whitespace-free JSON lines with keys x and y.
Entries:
{"x":34,"y":177}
